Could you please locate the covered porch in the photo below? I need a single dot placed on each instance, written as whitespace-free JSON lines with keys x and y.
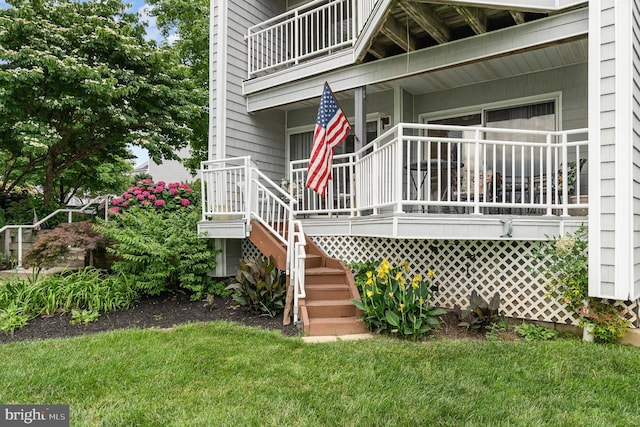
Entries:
{"x":418,"y":181}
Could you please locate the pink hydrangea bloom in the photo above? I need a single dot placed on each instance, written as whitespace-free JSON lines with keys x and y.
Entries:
{"x":140,"y":197}
{"x":146,"y":193}
{"x":127,"y":196}
{"x":174,"y":185}
{"x":145,"y":203}
{"x":159,"y":189}
{"x":161,"y":183}
{"x":185,"y":202}
{"x":115,"y":210}
{"x":116,"y":202}
{"x":137,"y":191}
{"x":173,"y":191}
{"x":152,"y":197}
{"x":159,"y":202}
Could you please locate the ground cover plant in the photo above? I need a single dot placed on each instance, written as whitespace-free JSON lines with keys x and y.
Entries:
{"x":87,"y":292}
{"x":227,"y":374}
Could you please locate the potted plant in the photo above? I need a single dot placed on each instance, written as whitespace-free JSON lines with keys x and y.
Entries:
{"x":573,"y":170}
{"x":564,"y":263}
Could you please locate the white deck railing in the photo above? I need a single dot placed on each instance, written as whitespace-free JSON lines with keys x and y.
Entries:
{"x":88,"y":208}
{"x":314,"y":29}
{"x":235,"y":188}
{"x":454,"y":169}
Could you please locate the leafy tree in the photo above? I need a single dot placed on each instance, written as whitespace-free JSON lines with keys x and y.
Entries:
{"x":187,"y":23}
{"x":78,"y":81}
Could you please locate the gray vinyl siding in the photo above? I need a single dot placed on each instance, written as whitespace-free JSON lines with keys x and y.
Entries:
{"x":607,"y":147}
{"x":570,"y":81}
{"x":636,"y":146}
{"x":261,"y":135}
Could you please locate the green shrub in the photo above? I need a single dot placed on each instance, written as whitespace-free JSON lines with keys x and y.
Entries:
{"x":161,"y":251}
{"x":609,"y":322}
{"x":391,"y":303}
{"x":531,"y":332}
{"x":260,"y":287}
{"x":564,"y":263}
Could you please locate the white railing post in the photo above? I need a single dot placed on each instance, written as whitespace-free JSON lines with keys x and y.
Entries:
{"x":19,"y":247}
{"x":549,"y":177}
{"x":397,"y":177}
{"x":565,"y":177}
{"x":476,"y":174}
{"x":296,"y":37}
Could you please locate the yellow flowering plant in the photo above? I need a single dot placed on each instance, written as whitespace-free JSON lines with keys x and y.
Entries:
{"x":394,"y":301}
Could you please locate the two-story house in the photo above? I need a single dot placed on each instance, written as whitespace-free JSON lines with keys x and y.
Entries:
{"x":479,"y":128}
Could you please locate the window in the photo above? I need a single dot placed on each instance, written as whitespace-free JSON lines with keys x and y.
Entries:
{"x":539,"y":116}
{"x":300,"y":143}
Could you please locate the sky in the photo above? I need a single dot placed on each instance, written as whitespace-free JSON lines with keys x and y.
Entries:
{"x":153,"y":33}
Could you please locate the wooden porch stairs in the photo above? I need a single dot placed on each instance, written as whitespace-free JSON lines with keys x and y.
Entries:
{"x":329,"y":284}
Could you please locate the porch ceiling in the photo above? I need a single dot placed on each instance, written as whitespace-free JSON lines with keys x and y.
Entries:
{"x":528,"y":61}
{"x":549,"y":57}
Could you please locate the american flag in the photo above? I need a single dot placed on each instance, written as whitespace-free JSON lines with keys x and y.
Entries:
{"x":332,"y":127}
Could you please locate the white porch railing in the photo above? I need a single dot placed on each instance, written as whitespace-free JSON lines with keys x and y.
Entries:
{"x":308,"y":31}
{"x":235,"y":188}
{"x":455,"y":169}
{"x":88,"y":208}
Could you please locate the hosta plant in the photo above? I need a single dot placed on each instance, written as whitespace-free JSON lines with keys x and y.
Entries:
{"x":394,"y":302}
{"x":259,"y":286}
{"x":531,"y":332}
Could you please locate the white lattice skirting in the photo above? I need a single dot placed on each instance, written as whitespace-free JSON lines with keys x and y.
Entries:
{"x":461,"y":266}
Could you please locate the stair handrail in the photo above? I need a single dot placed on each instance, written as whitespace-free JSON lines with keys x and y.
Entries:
{"x":37,"y":225}
{"x":274,"y":208}
{"x":298,"y":257}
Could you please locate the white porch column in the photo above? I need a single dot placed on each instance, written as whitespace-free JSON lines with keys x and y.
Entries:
{"x":361,"y":117}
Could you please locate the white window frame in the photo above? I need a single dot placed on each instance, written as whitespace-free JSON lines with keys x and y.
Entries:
{"x":481,"y":109}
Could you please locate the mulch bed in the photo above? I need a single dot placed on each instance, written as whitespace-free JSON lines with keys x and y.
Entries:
{"x":152,"y":312}
{"x":168,"y":311}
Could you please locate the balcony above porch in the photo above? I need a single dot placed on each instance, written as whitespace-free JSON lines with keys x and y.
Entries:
{"x":325,"y":35}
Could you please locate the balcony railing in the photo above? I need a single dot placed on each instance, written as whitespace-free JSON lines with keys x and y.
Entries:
{"x":315,"y":29}
{"x":453,"y":169}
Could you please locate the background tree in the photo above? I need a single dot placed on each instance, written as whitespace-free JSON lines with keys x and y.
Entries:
{"x":186,"y":24}
{"x":78,"y":81}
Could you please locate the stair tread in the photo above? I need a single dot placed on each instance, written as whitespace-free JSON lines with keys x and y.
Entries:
{"x":327,"y":285}
{"x":329,"y":302}
{"x":323,"y":270}
{"x":337,"y":320}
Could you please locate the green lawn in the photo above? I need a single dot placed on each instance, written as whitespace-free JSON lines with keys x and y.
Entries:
{"x":224,"y":374}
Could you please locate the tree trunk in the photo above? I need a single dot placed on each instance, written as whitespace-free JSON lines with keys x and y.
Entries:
{"x":49,"y":178}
